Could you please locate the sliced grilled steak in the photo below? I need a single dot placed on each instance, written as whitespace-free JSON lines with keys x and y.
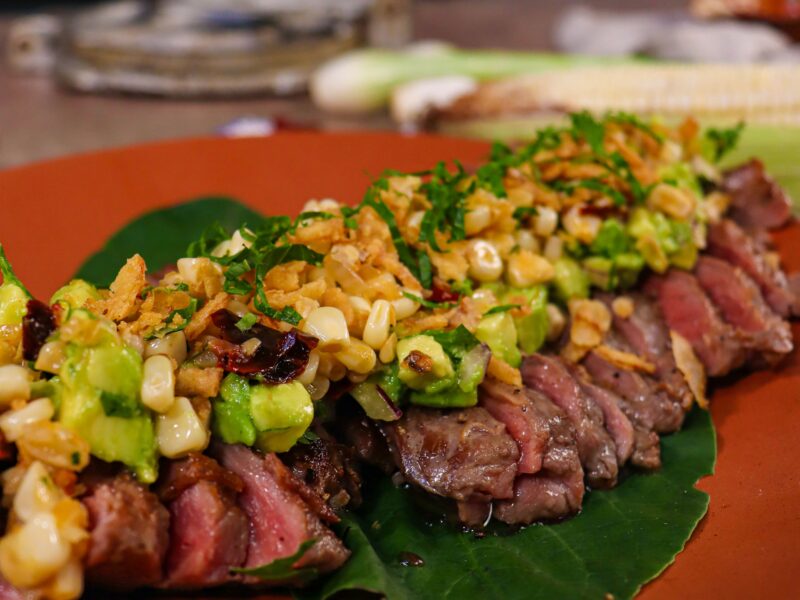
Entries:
{"x":689,"y":311}
{"x":557,"y":489}
{"x":642,"y":403}
{"x":365,"y":438}
{"x":129,"y":535}
{"x":208,"y":536}
{"x":617,"y":423}
{"x":328,"y":468}
{"x":208,"y":531}
{"x":550,"y":376}
{"x":279,"y":518}
{"x":741,"y":304}
{"x":726,"y":240}
{"x":462,"y":454}
{"x":756,"y":200}
{"x":647,"y":335}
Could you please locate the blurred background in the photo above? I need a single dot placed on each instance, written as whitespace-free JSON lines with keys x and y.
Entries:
{"x":79,"y":76}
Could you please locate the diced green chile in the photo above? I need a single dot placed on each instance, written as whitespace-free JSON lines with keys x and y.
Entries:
{"x":13,"y":295}
{"x":75,"y":294}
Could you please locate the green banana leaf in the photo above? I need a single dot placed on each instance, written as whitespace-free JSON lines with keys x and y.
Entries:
{"x":623,"y":537}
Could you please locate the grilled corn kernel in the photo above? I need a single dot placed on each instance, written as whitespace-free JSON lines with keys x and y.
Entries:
{"x":51,"y":357}
{"x":180,"y":430}
{"x":715,"y":206}
{"x":414,"y":223}
{"x":622,"y":306}
{"x":527,"y":241}
{"x":556,"y":321}
{"x":360,"y":304}
{"x":389,"y":349}
{"x":310,"y":372}
{"x":68,"y":584}
{"x":404,"y":307}
{"x":33,"y":552}
{"x":131,"y":339}
{"x":238,"y":308}
{"x":477,"y":219}
{"x":485,"y":263}
{"x":172,"y":345}
{"x":158,"y":383}
{"x":14,"y":384}
{"x":318,"y":388}
{"x":545,"y":221}
{"x":54,"y":444}
{"x":329,"y":326}
{"x":379,"y":322}
{"x":583,"y":227}
{"x":553,"y":248}
{"x":13,"y":422}
{"x":191,"y":269}
{"x":672,"y":201}
{"x":590,"y":322}
{"x":37,"y":493}
{"x":357,"y":356}
{"x":525,"y":269}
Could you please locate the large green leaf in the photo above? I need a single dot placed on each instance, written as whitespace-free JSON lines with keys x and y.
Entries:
{"x":623,"y":538}
{"x":162,"y":236}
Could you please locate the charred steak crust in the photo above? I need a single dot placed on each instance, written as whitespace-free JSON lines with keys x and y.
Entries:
{"x":463,"y":454}
{"x":757,"y":201}
{"x":129,"y":535}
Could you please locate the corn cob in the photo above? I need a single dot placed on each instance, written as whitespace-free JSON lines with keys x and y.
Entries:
{"x":768,"y":94}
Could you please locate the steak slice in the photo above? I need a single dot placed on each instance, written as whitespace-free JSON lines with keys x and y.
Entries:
{"x":688,"y":310}
{"x":550,"y":376}
{"x":328,"y":468}
{"x":464,"y":454}
{"x":617,"y":423}
{"x":641,"y":403}
{"x":208,"y":536}
{"x":208,"y":531}
{"x":741,"y":304}
{"x":280,"y":521}
{"x":757,"y":201}
{"x":129,"y":534}
{"x":726,"y":240}
{"x":557,"y":489}
{"x":646,"y":333}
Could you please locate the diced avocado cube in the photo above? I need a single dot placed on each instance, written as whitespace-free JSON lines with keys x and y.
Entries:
{"x":570,"y":280}
{"x":532,"y":328}
{"x":611,"y":240}
{"x":500,"y":334}
{"x":601,"y":272}
{"x":75,"y":294}
{"x":423,"y":364}
{"x":685,"y":257}
{"x":281,"y":414}
{"x":232,"y":423}
{"x":13,"y":304}
{"x":628,"y":266}
{"x":652,"y":253}
{"x":453,"y":397}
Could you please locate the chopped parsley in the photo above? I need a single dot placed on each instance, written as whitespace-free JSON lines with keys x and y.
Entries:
{"x":724,"y":141}
{"x":501,"y":309}
{"x":246,"y":322}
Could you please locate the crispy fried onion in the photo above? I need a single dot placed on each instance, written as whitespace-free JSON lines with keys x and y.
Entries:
{"x":690,"y":366}
{"x":624,"y":360}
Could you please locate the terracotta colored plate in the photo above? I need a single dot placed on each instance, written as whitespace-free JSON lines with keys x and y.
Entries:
{"x":52,"y":215}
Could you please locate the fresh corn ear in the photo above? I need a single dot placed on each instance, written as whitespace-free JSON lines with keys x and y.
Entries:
{"x":754,"y":93}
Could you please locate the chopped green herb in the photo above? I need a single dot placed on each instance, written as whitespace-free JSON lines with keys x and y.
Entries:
{"x":9,"y":278}
{"x":501,"y":309}
{"x":282,"y":569}
{"x":246,"y":322}
{"x":586,"y":127}
{"x":75,"y":458}
{"x":724,"y":141}
{"x":308,"y":437}
{"x":427,"y":303}
{"x":523,"y":213}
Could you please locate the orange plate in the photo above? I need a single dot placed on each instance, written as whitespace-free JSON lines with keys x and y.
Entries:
{"x":54,"y":214}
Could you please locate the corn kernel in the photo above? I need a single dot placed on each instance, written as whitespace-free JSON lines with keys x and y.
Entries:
{"x":318,"y":388}
{"x":51,"y":357}
{"x":477,"y":219}
{"x":379,"y":323}
{"x":485,"y":263}
{"x":556,"y":321}
{"x":172,"y":345}
{"x":357,"y":356}
{"x":33,"y":552}
{"x":180,"y":430}
{"x":582,"y":226}
{"x":545,"y":221}
{"x":158,"y":383}
{"x":525,"y":269}
{"x":13,"y":422}
{"x":389,"y":349}
{"x":310,"y":372}
{"x":527,"y":241}
{"x":329,"y":326}
{"x":553,"y":248}
{"x":14,"y":384}
{"x":36,"y":493}
{"x":672,"y":201}
{"x":404,"y":307}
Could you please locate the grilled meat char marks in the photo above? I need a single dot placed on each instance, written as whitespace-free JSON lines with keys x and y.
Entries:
{"x":556,"y":489}
{"x":551,"y":376}
{"x":647,"y":335}
{"x":757,"y":201}
{"x":279,"y":518}
{"x":208,"y":531}
{"x":728,"y":241}
{"x":691,"y":313}
{"x":741,"y":304}
{"x":129,"y":534}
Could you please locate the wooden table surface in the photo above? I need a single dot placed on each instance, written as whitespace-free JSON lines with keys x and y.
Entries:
{"x":40,"y":120}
